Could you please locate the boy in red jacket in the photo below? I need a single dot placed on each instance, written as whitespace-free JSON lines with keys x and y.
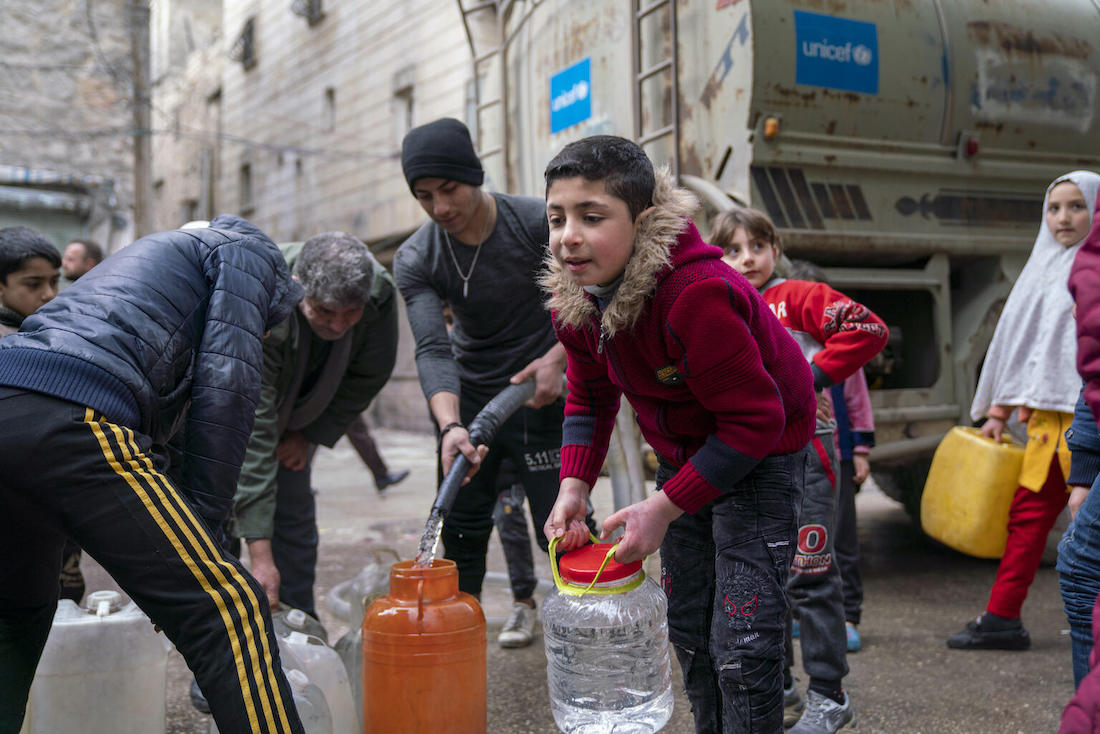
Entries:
{"x":645,"y":308}
{"x":838,"y":336}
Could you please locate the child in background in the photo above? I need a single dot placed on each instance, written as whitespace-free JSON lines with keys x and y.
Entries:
{"x":1079,"y":551}
{"x":838,"y":336}
{"x":510,"y":521}
{"x":855,"y":436}
{"x":1030,"y":366}
{"x":726,"y":402}
{"x":29,"y":271}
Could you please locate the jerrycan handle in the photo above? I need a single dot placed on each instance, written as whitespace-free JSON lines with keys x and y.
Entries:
{"x":1007,"y":439}
{"x":570,"y":590}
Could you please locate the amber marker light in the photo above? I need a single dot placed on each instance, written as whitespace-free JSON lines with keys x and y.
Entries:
{"x":771,"y":127}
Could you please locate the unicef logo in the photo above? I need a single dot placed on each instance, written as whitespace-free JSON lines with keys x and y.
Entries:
{"x":843,"y":53}
{"x":577,"y":93}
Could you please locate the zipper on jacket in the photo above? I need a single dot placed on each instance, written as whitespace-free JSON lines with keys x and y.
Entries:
{"x":610,"y":354}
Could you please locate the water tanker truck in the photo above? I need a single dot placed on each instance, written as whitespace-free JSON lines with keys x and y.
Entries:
{"x":903,"y":145}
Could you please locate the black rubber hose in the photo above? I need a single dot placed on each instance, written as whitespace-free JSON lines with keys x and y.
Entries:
{"x":482,"y":430}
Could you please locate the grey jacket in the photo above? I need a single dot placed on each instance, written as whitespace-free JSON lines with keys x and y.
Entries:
{"x":356,"y":368}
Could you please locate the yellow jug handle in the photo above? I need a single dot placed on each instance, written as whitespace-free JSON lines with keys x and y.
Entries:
{"x":565,"y":588}
{"x":1007,"y":439}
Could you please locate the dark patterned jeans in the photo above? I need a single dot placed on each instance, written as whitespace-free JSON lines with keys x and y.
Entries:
{"x":724,"y":570}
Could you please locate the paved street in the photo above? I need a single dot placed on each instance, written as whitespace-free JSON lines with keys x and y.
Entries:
{"x":904,"y":680}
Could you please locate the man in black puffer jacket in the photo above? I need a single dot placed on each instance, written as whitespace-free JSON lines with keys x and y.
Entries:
{"x":163,"y":338}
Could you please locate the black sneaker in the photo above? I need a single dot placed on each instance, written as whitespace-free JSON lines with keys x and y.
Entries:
{"x":390,"y":478}
{"x":982,"y":634}
{"x":197,"y":699}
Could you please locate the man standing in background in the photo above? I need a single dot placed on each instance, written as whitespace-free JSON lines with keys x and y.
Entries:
{"x":80,"y":256}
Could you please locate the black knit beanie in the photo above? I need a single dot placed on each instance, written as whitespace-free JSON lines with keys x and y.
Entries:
{"x":441,"y":149}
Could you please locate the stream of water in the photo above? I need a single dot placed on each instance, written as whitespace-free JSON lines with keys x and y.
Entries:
{"x":429,"y":541}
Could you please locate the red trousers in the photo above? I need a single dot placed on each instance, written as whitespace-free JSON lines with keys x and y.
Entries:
{"x":1030,"y":519}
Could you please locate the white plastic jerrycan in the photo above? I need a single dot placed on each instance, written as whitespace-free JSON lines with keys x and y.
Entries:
{"x":102,"y":670}
{"x":309,"y":701}
{"x":287,"y":619}
{"x":324,"y":683}
{"x":324,"y":668}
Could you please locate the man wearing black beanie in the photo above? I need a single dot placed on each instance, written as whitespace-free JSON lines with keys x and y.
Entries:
{"x":481,"y":254}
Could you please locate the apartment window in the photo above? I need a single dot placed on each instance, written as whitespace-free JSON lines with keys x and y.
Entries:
{"x":471,"y":109}
{"x":244,"y":48}
{"x":329,"y":113}
{"x":403,"y":102}
{"x":247,"y":205}
{"x":312,"y":10}
{"x":189,"y":212}
{"x":205,"y":204}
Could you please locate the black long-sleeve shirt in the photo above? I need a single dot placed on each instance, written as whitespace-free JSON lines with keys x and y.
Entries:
{"x":502,"y":323}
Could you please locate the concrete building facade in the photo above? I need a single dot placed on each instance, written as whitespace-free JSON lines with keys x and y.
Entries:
{"x":293,"y":116}
{"x":66,"y":122}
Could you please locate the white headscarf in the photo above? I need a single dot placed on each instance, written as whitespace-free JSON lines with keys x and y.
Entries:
{"x":1032,"y":359}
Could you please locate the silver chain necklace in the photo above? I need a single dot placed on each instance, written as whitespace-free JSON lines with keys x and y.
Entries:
{"x":473,"y":264}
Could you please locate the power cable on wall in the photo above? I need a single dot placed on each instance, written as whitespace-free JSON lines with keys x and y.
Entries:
{"x":124,"y":79}
{"x":199,"y":134}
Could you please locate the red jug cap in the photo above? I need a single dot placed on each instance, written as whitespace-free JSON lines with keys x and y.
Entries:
{"x":580,"y":566}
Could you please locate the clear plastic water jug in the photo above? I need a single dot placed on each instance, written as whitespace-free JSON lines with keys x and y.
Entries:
{"x":606,"y":636}
{"x":325,"y":669}
{"x":350,"y":649}
{"x":349,"y":601}
{"x":103,"y":670}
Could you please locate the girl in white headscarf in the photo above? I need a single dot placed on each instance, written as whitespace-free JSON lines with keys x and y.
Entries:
{"x":1031,"y":367}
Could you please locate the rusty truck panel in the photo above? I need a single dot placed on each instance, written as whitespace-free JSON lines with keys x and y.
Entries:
{"x":902,"y":144}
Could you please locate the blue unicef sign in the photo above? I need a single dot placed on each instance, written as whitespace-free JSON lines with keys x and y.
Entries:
{"x":836,"y":53}
{"x":571,"y":96}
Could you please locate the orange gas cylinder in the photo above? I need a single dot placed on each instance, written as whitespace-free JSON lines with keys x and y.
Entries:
{"x":424,"y":655}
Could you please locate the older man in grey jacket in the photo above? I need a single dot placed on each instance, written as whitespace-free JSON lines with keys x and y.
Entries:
{"x":322,"y":367}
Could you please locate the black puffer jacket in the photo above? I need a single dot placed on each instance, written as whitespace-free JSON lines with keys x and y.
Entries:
{"x":166,"y":336}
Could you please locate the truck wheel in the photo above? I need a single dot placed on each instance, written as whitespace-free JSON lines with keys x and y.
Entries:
{"x":905,"y":484}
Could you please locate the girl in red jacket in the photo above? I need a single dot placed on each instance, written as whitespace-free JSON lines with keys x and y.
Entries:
{"x":838,"y":336}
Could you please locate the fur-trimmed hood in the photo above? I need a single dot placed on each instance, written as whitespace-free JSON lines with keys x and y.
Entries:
{"x":652,"y":260}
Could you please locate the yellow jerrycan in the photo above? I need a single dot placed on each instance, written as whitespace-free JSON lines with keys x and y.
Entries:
{"x":969,"y":491}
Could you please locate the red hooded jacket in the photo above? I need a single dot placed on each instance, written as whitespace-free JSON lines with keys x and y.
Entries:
{"x":717,"y":383}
